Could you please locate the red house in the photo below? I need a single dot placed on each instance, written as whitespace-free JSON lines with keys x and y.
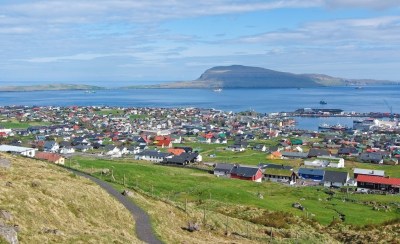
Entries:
{"x":247,"y":173}
{"x":51,"y":157}
{"x":163,"y":141}
{"x":368,"y":182}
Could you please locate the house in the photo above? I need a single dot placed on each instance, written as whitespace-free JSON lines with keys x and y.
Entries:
{"x":67,"y":150}
{"x":82,"y":147}
{"x":332,"y":162}
{"x":371,"y":157}
{"x":286,"y":155}
{"x":176,"y":138}
{"x":311,"y":174}
{"x":51,"y":157}
{"x":276,"y":155}
{"x":223,"y":169}
{"x":182,"y":159}
{"x":151,"y":155}
{"x":336,"y":178}
{"x":260,"y":147}
{"x":280,"y":175}
{"x":187,"y":149}
{"x":24,"y":151}
{"x":51,"y":146}
{"x":348,"y":151}
{"x":366,"y":183}
{"x":247,"y":173}
{"x":235,"y":148}
{"x":176,"y":151}
{"x":314,"y":152}
{"x":163,"y":141}
{"x":371,"y":172}
{"x":112,"y":150}
{"x":275,"y":166}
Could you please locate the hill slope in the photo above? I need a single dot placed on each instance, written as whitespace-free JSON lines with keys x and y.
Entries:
{"x":239,"y":76}
{"x":48,"y":204}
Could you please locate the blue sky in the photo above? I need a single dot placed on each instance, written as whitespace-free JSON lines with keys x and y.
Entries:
{"x":125,"y":42}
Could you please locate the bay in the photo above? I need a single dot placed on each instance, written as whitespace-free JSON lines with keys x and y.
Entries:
{"x":367,"y":99}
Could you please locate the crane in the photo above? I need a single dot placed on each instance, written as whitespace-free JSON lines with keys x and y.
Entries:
{"x":391,"y":110}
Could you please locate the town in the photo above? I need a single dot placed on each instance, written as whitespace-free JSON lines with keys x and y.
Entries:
{"x":247,"y":145}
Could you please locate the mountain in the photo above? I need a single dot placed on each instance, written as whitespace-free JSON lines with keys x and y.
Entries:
{"x":239,"y":76}
{"x":52,"y":87}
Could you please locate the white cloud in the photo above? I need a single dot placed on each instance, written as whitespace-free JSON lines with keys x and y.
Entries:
{"x":370,"y":4}
{"x":380,"y":31}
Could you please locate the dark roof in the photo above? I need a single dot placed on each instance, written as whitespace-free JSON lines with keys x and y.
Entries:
{"x":347,"y":150}
{"x":275,"y":166}
{"x":294,"y":154}
{"x":307,"y":171}
{"x":314,"y":152}
{"x":279,"y":172}
{"x":224,"y":167}
{"x":374,"y":157}
{"x":336,"y":176}
{"x":244,"y":171}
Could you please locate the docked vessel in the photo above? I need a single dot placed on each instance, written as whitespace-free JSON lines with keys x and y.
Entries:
{"x":337,"y":127}
{"x":217,"y":90}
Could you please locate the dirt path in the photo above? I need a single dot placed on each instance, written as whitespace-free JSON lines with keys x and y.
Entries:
{"x":144,"y":230}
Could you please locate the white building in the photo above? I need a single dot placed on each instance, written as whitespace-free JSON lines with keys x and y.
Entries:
{"x":24,"y":151}
{"x":324,"y":161}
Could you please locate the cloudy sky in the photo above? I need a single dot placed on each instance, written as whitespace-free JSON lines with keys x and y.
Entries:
{"x":128,"y":42}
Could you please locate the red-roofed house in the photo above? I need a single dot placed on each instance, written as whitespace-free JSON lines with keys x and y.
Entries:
{"x":176,"y":151}
{"x":367,"y":182}
{"x":163,"y":141}
{"x":51,"y":157}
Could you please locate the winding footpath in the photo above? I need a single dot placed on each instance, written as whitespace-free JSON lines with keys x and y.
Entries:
{"x":144,"y":230}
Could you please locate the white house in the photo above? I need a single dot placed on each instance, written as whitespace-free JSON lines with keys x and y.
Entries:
{"x":324,"y":161}
{"x":24,"y":151}
{"x":67,"y":150}
{"x":336,"y":179}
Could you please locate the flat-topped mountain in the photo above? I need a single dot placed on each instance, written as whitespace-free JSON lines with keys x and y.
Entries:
{"x":239,"y":76}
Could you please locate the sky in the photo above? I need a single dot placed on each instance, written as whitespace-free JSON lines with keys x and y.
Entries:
{"x":109,"y":42}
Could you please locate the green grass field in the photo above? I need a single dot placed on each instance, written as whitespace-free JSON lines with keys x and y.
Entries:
{"x":21,"y":125}
{"x":195,"y":186}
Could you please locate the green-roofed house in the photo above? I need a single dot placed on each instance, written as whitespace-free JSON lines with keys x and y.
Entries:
{"x":281,"y":175}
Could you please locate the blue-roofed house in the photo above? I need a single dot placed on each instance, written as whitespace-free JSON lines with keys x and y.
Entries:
{"x":311,"y":174}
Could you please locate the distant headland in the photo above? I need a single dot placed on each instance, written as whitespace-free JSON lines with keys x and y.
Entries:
{"x":52,"y":87}
{"x":239,"y":76}
{"x":234,"y":76}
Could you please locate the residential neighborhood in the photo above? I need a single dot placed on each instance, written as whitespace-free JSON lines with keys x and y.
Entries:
{"x":246,"y":146}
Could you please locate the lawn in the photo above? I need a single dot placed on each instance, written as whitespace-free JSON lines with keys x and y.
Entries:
{"x":195,"y":186}
{"x":21,"y":125}
{"x":110,"y":111}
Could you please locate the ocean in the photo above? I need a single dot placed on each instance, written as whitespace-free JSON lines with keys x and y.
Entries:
{"x":367,"y":99}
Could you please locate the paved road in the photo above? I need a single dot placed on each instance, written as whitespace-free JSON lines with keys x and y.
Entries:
{"x":143,"y":226}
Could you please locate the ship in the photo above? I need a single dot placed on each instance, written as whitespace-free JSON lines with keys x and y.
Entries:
{"x":337,"y":127}
{"x":322,"y":102}
{"x":217,"y":90}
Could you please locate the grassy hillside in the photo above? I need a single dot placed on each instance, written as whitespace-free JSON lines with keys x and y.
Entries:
{"x":51,"y":205}
{"x":238,"y":203}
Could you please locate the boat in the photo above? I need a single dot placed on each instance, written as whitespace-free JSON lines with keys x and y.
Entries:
{"x":337,"y":127}
{"x":217,"y":90}
{"x":359,"y":87}
{"x":324,"y":127}
{"x":89,"y":91}
{"x":322,"y":102}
